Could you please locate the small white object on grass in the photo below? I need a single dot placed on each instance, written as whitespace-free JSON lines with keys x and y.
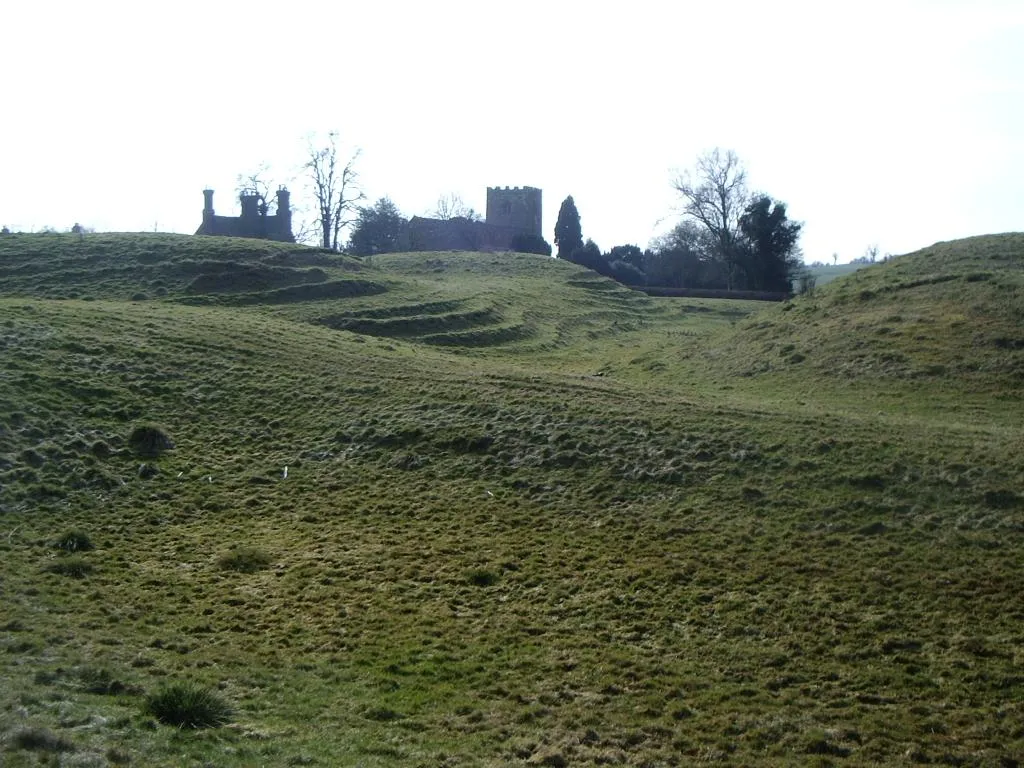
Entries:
{"x":285,"y":473}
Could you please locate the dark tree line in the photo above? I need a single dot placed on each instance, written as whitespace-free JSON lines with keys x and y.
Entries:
{"x":728,"y":238}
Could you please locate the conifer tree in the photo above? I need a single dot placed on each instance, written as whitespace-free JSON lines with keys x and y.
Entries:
{"x":568,"y":233}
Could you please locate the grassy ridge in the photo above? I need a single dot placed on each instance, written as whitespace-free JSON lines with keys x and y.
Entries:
{"x":543,"y":550}
{"x":954,"y":310}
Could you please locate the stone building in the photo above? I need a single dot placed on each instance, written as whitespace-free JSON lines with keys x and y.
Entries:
{"x":510,"y":212}
{"x":254,"y":221}
{"x":516,"y":208}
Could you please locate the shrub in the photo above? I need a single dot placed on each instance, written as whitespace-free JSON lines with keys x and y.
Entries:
{"x":528,"y":243}
{"x":806,"y":284}
{"x":74,"y":540}
{"x":244,"y":560}
{"x":149,"y":440}
{"x":187,"y":705}
{"x":626,"y":273}
{"x":74,"y":566}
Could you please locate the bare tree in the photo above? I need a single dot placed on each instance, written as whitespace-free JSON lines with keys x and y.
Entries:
{"x":335,"y":189}
{"x":256,"y":182}
{"x":715,"y":195}
{"x":450,"y":206}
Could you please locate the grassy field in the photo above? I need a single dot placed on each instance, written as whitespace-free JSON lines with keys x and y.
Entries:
{"x":492,"y":509}
{"x":826,"y":273}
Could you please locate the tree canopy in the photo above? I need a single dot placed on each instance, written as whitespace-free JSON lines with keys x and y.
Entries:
{"x":379,"y":228}
{"x":768,"y":247}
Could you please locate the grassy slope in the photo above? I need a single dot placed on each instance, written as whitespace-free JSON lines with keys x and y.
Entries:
{"x":529,"y":516}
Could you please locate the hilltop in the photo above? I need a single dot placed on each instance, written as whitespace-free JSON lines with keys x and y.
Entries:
{"x":954,"y":309}
{"x":491,"y":509}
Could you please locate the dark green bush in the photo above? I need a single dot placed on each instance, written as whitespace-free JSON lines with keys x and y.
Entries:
{"x":187,"y":705}
{"x":528,"y":243}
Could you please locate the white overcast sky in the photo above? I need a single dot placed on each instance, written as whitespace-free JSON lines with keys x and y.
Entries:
{"x":894,"y":123}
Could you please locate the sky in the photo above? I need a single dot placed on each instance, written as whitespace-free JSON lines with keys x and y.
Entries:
{"x":893,"y":124}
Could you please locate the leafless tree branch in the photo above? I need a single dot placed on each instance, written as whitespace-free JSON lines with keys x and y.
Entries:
{"x":335,"y":189}
{"x":715,"y":195}
{"x":450,"y":206}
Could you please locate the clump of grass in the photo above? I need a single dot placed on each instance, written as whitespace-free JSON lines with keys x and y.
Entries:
{"x":187,"y":705}
{"x":149,"y":440}
{"x":482,"y":577}
{"x":1003,"y":498}
{"x":74,"y":540}
{"x":32,"y":457}
{"x":74,"y":566}
{"x":244,"y":560}
{"x":100,"y":681}
{"x":382,"y":714}
{"x":41,"y":740}
{"x":118,"y":756}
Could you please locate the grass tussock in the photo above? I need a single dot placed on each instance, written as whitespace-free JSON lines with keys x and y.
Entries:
{"x":149,"y":440}
{"x":187,"y":705}
{"x":244,"y":560}
{"x":482,"y":577}
{"x":74,"y":566}
{"x":40,"y":740}
{"x":75,"y":540}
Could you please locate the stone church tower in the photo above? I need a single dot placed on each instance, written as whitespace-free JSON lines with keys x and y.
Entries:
{"x":517,"y":208}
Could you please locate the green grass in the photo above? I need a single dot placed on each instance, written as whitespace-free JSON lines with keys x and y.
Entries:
{"x":528,"y":516}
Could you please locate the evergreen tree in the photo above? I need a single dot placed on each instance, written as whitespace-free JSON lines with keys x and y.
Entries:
{"x":380,"y":228}
{"x":768,"y":248}
{"x":568,"y":233}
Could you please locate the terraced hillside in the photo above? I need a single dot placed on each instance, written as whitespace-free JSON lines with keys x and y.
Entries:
{"x":482,"y":509}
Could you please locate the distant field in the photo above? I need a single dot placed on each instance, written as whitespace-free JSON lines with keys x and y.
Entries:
{"x":826,"y":274}
{"x":460,"y":509}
